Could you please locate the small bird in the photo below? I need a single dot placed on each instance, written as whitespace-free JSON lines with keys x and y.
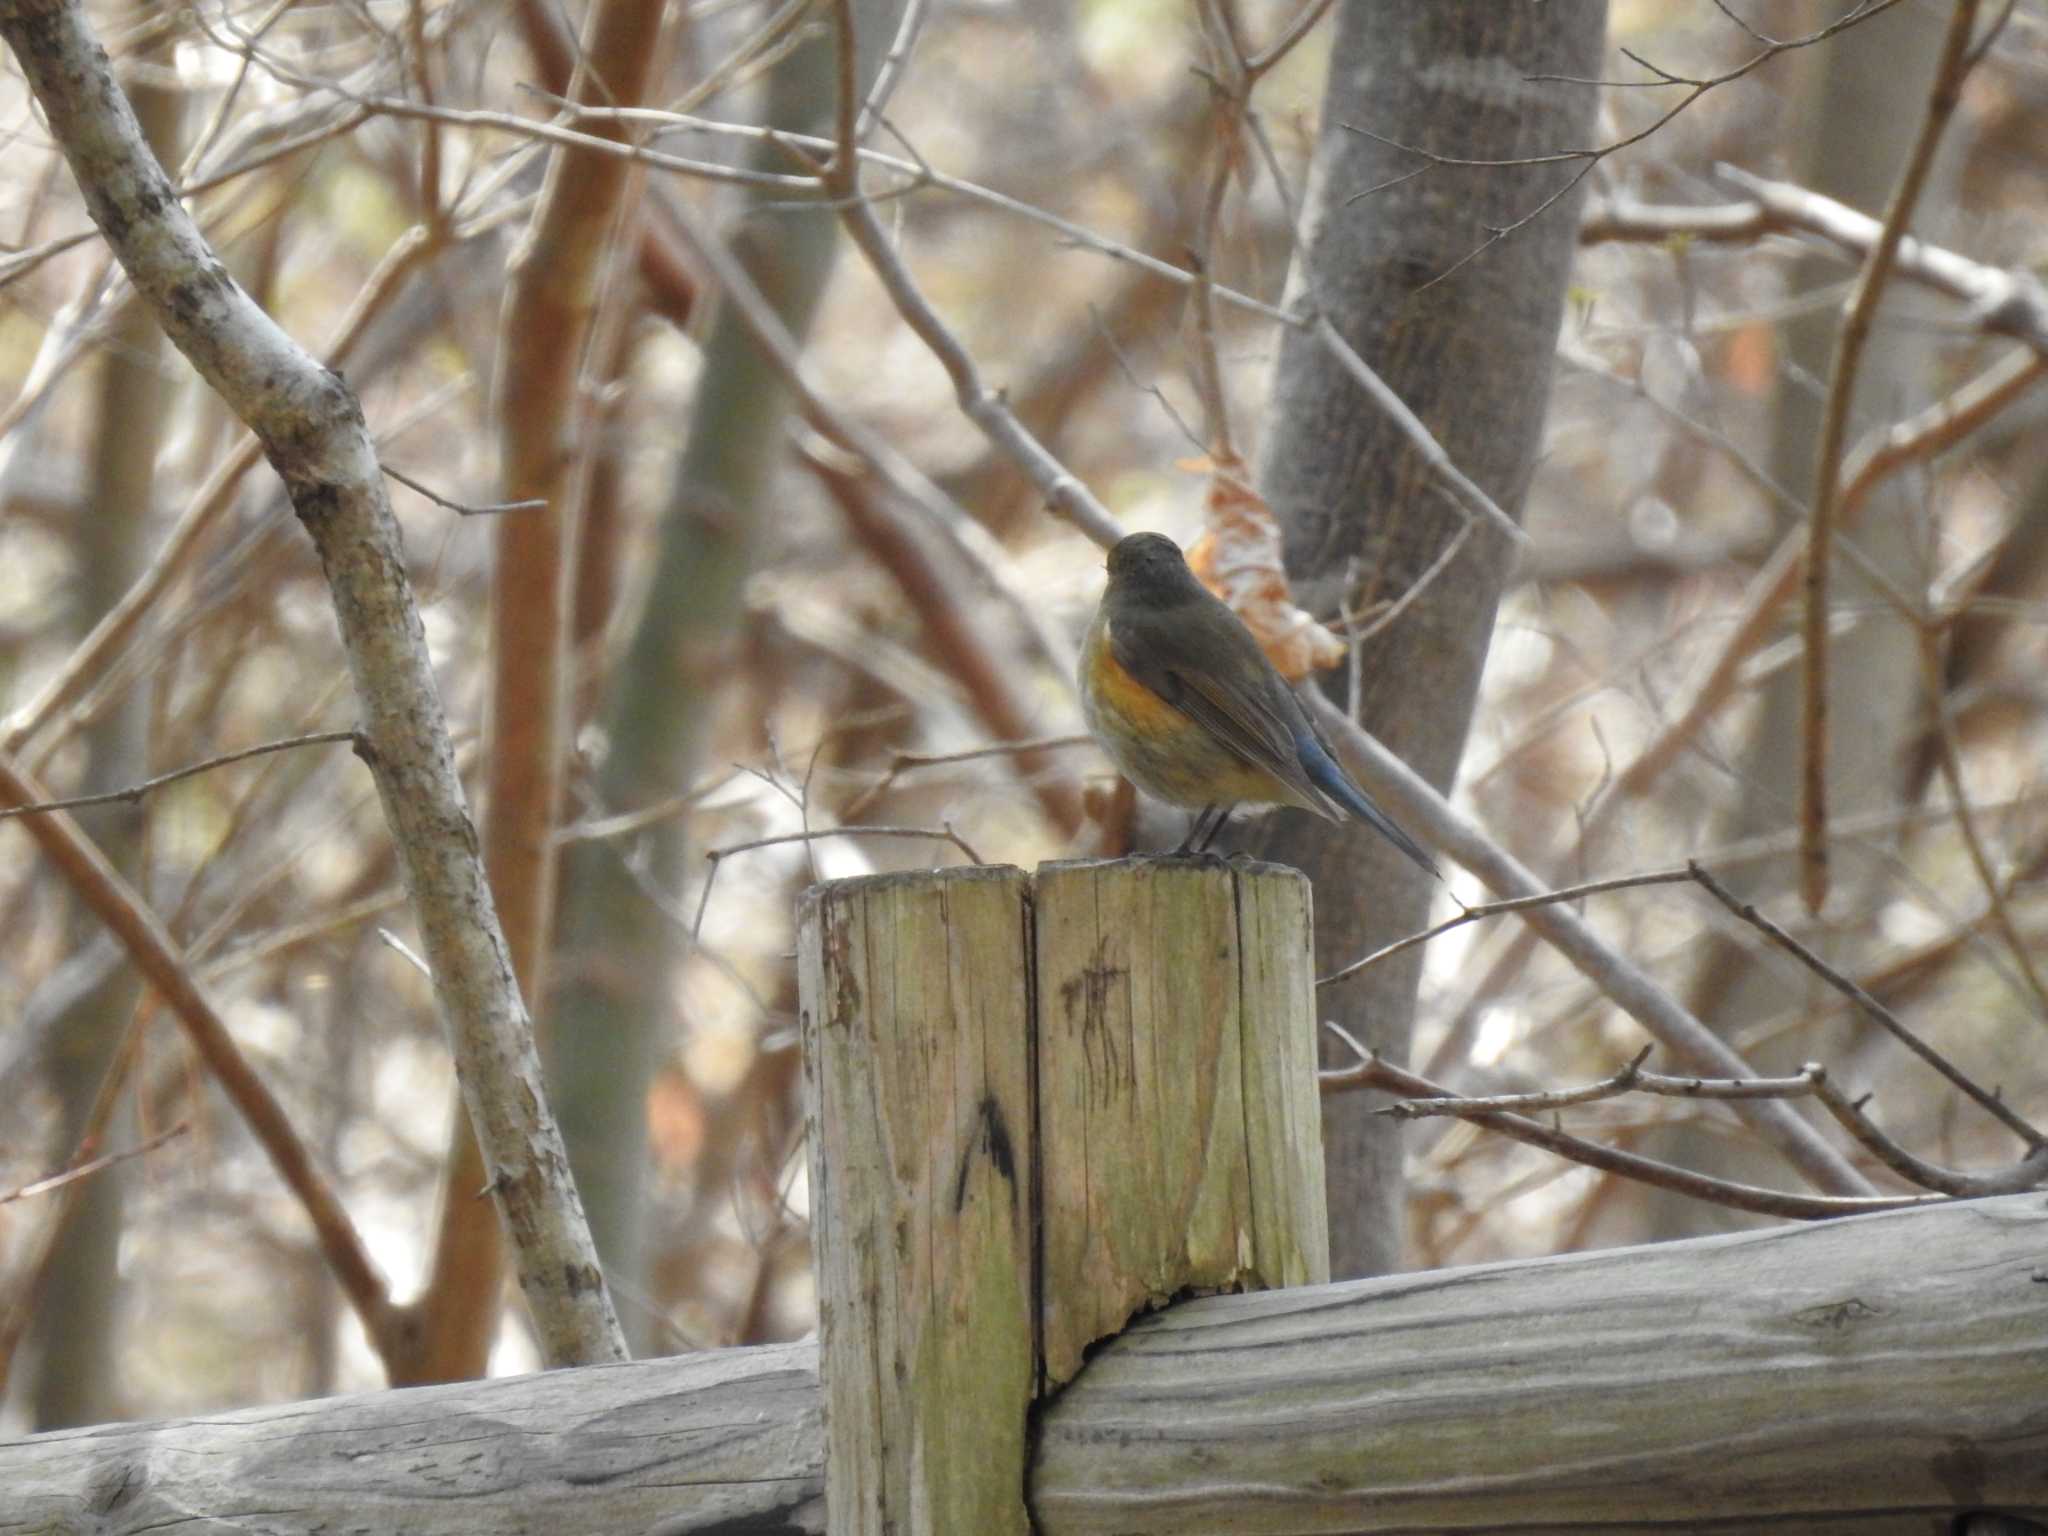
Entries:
{"x":1185,"y":702}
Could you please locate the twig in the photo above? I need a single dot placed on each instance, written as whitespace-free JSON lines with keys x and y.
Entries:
{"x":293,"y":935}
{"x":895,"y":65}
{"x":986,"y":408}
{"x":97,"y":1165}
{"x":1462,"y":486}
{"x":2000,"y":301}
{"x":405,"y":952}
{"x":989,"y":410}
{"x":1810,"y":1081}
{"x":1360,"y":631}
{"x":1496,"y":908}
{"x":1231,"y":105}
{"x":405,"y":108}
{"x":917,"y":173}
{"x":114,"y":902}
{"x":780,"y":35}
{"x":1628,"y":1079}
{"x":1303,"y":22}
{"x":1883,"y":1016}
{"x":210,"y":502}
{"x":976,"y":546}
{"x":1373,"y":1072}
{"x":670,"y":909}
{"x":1063,"y":491}
{"x":718,"y":855}
{"x":1407,"y":796}
{"x":20,"y":264}
{"x":217,"y":122}
{"x":463,"y":508}
{"x":625,"y":823}
{"x":1555,"y":1098}
{"x":32,"y":1277}
{"x":2026,"y":1174}
{"x":1949,"y":759}
{"x":134,"y":792}
{"x":938,"y":834}
{"x":962,"y":640}
{"x":1879,"y":455}
{"x":906,"y":762}
{"x":847,"y":98}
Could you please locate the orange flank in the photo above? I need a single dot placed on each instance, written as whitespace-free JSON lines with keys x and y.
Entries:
{"x":1163,"y":750}
{"x":1136,"y":707}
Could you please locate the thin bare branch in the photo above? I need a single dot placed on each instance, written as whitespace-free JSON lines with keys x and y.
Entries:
{"x":1407,"y":796}
{"x":1372,"y":1071}
{"x":1882,"y":453}
{"x":133,"y":793}
{"x":153,"y":953}
{"x":86,"y":1170}
{"x":466,"y":509}
{"x":1299,"y":26}
{"x":2027,"y":1173}
{"x":407,"y":254}
{"x":1989,"y":1102}
{"x":1497,"y":908}
{"x":895,"y":66}
{"x":1462,"y":486}
{"x":1809,"y":1081}
{"x":1948,"y":757}
{"x":717,"y":856}
{"x":987,"y":408}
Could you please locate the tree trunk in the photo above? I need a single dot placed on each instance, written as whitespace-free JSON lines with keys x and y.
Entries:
{"x":78,"y":1329}
{"x":1471,"y":354}
{"x":612,"y":1013}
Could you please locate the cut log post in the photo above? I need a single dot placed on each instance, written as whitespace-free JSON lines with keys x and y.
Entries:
{"x":1179,"y":1121}
{"x":1036,"y":1109}
{"x":917,"y":1104}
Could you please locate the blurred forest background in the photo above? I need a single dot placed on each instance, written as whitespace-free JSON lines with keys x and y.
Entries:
{"x":762,"y":639}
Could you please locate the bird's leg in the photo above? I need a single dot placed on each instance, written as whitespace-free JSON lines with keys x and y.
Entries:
{"x":1187,"y":844}
{"x":1222,"y":815}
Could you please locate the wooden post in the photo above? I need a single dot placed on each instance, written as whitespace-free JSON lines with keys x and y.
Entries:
{"x":1034,"y":1110}
{"x":916,"y":1008}
{"x":1179,"y":1124}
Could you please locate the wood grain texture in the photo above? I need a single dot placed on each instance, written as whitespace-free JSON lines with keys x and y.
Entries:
{"x":917,"y":1076}
{"x":1876,"y":1375}
{"x":1032,"y":1111}
{"x":1178,"y":1118}
{"x":724,"y":1442}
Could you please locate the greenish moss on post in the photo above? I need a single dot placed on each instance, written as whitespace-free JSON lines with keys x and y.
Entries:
{"x":1036,"y":1109}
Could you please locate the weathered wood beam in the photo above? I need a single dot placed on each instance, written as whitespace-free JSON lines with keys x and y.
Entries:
{"x":1874,"y":1375}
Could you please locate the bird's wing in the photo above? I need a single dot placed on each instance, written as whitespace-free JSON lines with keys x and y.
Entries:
{"x":1189,"y":667}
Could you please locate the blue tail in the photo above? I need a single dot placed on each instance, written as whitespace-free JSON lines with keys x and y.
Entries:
{"x":1327,"y":775}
